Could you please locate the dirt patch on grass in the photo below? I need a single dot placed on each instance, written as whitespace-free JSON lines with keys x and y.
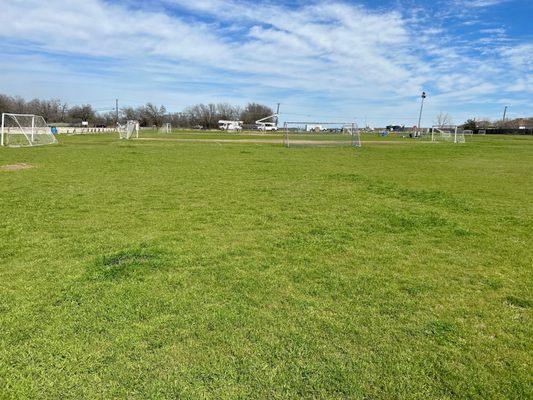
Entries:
{"x":16,"y":167}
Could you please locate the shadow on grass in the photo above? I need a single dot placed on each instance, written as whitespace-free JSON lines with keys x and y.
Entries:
{"x":427,"y":197}
{"x":518,"y":302}
{"x":130,"y":263}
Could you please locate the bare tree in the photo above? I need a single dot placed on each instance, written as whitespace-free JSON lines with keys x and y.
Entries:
{"x":254,"y":111}
{"x":443,"y":119}
{"x":227,"y":111}
{"x":6,"y":103}
{"x":152,"y":115}
{"x":179,"y":119}
{"x":129,"y":113}
{"x":63,"y":112}
{"x":204,"y":115}
{"x":50,"y":110}
{"x":18,"y":105}
{"x":106,"y":119}
{"x":84,"y":112}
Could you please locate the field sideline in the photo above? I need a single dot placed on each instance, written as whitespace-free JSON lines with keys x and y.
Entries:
{"x":175,"y":269}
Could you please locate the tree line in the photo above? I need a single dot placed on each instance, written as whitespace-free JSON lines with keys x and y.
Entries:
{"x":206,"y":116}
{"x":444,"y":119}
{"x":485,"y":123}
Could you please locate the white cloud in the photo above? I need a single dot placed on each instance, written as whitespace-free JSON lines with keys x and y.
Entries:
{"x":522,"y":85}
{"x":494,"y":31}
{"x":303,"y":46}
{"x":485,"y":3}
{"x":478,"y":3}
{"x":519,"y":56}
{"x":94,"y":28}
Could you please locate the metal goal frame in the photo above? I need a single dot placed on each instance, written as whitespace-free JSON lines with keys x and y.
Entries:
{"x":349,"y":128}
{"x":449,"y":133}
{"x":129,"y":130}
{"x":30,"y":132}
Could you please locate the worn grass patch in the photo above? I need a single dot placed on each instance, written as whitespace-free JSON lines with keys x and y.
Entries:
{"x":126,"y":264}
{"x":16,"y":167}
{"x":518,"y":302}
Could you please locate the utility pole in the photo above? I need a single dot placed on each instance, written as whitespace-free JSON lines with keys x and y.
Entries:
{"x":277,"y":114}
{"x":504,"y":114}
{"x":116,"y":113}
{"x":420,"y":115}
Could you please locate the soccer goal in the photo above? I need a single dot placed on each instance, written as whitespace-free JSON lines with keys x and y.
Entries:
{"x":129,"y":130}
{"x":323,"y":134}
{"x":25,"y":130}
{"x":166,"y":128}
{"x":448,"y":133}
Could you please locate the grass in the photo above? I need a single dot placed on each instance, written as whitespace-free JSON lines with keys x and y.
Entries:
{"x":151,"y":269}
{"x":265,"y":136}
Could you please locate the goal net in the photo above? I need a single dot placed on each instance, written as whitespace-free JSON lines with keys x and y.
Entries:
{"x":129,"y":130}
{"x":332,"y":134}
{"x":25,"y":130}
{"x":448,"y":133}
{"x":166,"y":128}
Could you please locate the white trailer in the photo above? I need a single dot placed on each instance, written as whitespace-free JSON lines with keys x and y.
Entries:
{"x":226,"y":125}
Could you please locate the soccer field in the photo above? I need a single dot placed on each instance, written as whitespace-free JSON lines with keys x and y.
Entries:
{"x":176,"y":269}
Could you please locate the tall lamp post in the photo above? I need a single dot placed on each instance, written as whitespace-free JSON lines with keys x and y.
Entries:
{"x":504,"y":114}
{"x":420,"y":115}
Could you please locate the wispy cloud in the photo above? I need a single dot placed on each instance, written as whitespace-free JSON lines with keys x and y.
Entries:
{"x":479,"y":3}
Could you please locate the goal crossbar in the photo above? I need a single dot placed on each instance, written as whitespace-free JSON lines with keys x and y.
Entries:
{"x":346,"y":133}
{"x":20,"y":115}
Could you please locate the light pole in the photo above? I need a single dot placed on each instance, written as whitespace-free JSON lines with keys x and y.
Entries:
{"x":420,"y":115}
{"x":504,"y":114}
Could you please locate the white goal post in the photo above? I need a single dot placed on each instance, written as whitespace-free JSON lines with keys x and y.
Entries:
{"x":19,"y":130}
{"x":129,"y":130}
{"x":305,"y":133}
{"x":447,"y":133}
{"x":166,"y":128}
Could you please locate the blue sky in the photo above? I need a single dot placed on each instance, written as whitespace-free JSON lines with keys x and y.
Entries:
{"x":324,"y":60}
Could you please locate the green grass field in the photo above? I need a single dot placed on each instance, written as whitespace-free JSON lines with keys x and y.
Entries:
{"x":261,"y":136}
{"x":166,"y":269}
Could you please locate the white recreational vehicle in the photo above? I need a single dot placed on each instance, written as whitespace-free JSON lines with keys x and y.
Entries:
{"x":230,"y":125}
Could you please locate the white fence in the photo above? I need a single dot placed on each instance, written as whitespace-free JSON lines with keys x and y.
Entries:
{"x":71,"y":130}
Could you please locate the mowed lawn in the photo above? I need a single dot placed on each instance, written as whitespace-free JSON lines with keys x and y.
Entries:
{"x":154,"y":269}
